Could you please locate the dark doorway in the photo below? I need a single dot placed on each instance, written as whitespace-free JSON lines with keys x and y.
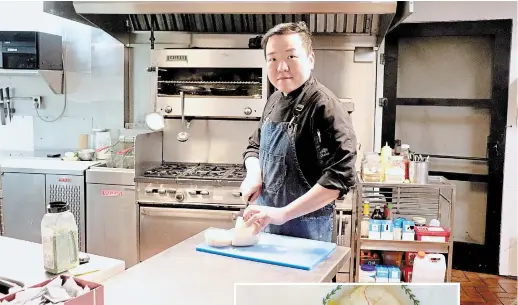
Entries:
{"x":454,"y":108}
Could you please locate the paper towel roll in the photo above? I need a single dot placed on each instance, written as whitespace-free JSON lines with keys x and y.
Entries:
{"x":83,"y":141}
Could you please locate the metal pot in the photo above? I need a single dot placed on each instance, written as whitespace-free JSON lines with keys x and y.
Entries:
{"x":86,"y":154}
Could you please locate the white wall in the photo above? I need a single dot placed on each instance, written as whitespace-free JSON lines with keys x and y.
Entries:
{"x":94,"y":65}
{"x":431,"y":11}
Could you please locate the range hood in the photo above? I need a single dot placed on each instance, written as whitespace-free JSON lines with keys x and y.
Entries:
{"x":117,"y":18}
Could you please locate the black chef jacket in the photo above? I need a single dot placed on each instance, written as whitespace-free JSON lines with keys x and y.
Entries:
{"x":324,"y":119}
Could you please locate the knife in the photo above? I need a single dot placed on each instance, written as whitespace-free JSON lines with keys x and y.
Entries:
{"x":8,"y":97}
{"x":2,"y":106}
{"x":242,"y":212}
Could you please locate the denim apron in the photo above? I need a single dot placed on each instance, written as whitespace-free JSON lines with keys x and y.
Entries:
{"x":283,"y":180}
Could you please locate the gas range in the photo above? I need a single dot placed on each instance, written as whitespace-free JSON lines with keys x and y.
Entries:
{"x":191,"y":184}
{"x":198,"y":171}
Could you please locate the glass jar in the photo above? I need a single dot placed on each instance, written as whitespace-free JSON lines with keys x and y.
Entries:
{"x":60,"y":239}
{"x":371,"y":168}
{"x":101,"y":140}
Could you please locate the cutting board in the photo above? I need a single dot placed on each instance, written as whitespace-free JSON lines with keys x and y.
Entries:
{"x":278,"y":250}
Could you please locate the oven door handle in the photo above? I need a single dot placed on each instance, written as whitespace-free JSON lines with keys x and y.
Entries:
{"x":189,"y":213}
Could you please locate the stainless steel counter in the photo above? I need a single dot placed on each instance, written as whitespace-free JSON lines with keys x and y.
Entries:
{"x":23,"y":261}
{"x":183,"y":275}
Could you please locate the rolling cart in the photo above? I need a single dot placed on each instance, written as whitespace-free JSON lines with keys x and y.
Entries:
{"x":434,"y":200}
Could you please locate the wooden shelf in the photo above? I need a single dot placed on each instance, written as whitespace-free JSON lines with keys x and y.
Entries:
{"x":403,"y":245}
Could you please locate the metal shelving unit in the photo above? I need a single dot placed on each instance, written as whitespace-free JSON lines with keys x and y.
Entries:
{"x":434,"y":200}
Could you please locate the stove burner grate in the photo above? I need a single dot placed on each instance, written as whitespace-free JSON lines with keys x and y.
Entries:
{"x":198,"y":171}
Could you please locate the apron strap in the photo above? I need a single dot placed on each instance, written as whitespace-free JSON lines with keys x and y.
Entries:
{"x":301,"y":103}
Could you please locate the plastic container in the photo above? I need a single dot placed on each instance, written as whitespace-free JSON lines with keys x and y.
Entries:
{"x":419,"y":221}
{"x":395,"y":170}
{"x":429,"y":268}
{"x":101,"y":138}
{"x":372,"y":171}
{"x":60,"y":239}
{"x":433,"y":234}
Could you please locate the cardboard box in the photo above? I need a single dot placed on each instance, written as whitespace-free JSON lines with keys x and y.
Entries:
{"x":375,"y":229}
{"x":387,"y":230}
{"x":382,"y":274}
{"x":94,"y":297}
{"x":394,"y":274}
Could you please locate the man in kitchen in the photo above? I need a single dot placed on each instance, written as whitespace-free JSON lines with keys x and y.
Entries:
{"x":302,"y":155}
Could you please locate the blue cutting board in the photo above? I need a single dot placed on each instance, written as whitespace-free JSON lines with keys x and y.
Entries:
{"x":278,"y":250}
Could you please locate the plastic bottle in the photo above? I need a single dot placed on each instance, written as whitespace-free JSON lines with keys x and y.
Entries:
{"x":386,"y":152}
{"x":59,"y":233}
{"x":377,"y":214}
{"x":364,"y":229}
{"x":405,"y":152}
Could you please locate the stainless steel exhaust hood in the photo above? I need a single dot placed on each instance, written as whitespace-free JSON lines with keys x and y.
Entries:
{"x":372,"y":18}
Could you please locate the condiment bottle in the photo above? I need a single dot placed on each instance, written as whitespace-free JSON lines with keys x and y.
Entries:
{"x":377,"y":214}
{"x":60,"y":238}
{"x":364,"y":232}
{"x":405,"y":151}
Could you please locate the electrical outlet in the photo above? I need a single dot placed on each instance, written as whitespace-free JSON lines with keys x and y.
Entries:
{"x":37,"y":102}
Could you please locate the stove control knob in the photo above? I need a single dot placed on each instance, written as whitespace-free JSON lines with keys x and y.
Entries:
{"x":179,"y":196}
{"x":192,"y":192}
{"x":168,"y":109}
{"x":149,"y":191}
{"x":236,"y":194}
{"x":171,"y":191}
{"x":204,"y":192}
{"x":161,"y":191}
{"x":248,"y":111}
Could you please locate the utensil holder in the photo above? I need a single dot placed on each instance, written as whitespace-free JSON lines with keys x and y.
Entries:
{"x":418,"y":172}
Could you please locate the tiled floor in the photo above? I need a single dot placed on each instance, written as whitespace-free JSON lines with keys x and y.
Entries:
{"x":481,"y":289}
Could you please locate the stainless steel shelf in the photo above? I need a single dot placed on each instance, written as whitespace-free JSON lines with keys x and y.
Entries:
{"x":434,"y":200}
{"x":403,"y":245}
{"x":53,"y":78}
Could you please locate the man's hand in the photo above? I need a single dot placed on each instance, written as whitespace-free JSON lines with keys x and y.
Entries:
{"x":263,"y":216}
{"x":251,"y":186}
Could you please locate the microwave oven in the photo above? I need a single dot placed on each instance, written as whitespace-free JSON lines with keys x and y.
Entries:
{"x":216,"y":83}
{"x":30,"y":50}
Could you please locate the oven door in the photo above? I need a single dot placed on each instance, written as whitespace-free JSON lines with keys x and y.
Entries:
{"x":164,"y":227}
